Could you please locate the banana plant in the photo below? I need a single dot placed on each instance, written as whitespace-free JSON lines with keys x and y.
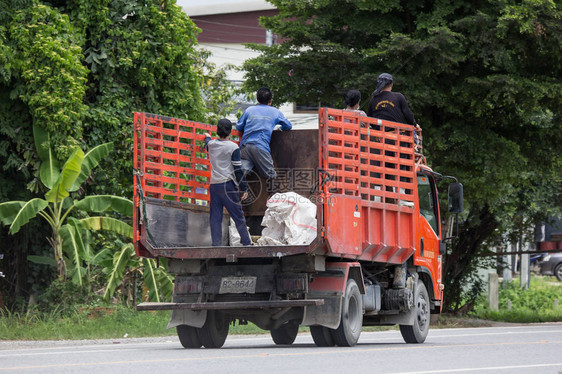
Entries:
{"x":122,"y":267}
{"x":66,"y":239}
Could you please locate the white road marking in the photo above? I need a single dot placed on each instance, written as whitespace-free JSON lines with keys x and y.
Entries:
{"x":488,"y":368}
{"x":497,"y":333}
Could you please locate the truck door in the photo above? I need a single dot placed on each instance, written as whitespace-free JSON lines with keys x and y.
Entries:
{"x":429,"y":229}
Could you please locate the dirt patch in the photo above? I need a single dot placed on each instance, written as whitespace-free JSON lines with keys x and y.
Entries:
{"x":445,"y":321}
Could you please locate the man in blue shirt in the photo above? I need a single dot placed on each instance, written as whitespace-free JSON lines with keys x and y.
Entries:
{"x":258,"y":123}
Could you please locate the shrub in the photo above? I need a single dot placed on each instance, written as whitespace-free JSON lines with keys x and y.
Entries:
{"x":537,"y":304}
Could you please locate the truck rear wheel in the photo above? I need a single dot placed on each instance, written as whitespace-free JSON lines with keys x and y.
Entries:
{"x":188,"y":336}
{"x":347,"y":333}
{"x":418,"y":332}
{"x":558,"y":272}
{"x":215,"y":330}
{"x":286,"y":333}
{"x":322,"y":336}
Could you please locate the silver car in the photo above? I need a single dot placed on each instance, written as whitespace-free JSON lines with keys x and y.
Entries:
{"x":551,"y":264}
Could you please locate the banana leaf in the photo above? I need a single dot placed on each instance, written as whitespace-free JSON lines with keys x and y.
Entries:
{"x":44,"y":260}
{"x":70,"y":172}
{"x":87,"y":239}
{"x":74,"y":247}
{"x":166,"y":282}
{"x":103,"y":258}
{"x":157,"y":280}
{"x":49,"y":171}
{"x":91,"y":160}
{"x":109,"y":224}
{"x":120,"y":261}
{"x":9,"y":210}
{"x":149,"y":269}
{"x":28,"y":211}
{"x":106,"y":203}
{"x":42,"y":142}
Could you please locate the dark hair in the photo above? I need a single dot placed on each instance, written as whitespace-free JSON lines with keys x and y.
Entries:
{"x":264,"y":95}
{"x":224,"y":127}
{"x":352,"y":97}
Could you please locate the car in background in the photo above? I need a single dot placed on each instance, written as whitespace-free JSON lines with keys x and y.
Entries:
{"x":551,"y":264}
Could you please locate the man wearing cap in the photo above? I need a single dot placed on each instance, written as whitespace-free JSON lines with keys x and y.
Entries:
{"x":388,"y":105}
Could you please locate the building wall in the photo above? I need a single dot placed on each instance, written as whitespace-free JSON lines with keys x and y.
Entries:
{"x":241,"y":27}
{"x":224,"y":35}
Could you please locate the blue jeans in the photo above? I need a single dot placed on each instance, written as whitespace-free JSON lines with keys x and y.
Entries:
{"x":226,"y":195}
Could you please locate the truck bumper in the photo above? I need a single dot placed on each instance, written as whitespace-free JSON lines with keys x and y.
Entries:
{"x":230,"y":305}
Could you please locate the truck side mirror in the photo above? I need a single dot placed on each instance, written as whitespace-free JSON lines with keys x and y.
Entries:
{"x":455,"y":198}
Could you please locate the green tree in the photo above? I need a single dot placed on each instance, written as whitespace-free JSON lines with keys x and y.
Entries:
{"x":57,"y":205}
{"x":79,"y":70}
{"x":70,"y":236}
{"x":483,"y":80}
{"x":219,"y":94}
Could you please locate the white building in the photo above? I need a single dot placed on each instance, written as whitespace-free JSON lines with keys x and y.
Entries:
{"x":226,"y":26}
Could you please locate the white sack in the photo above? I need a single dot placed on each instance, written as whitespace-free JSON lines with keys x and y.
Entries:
{"x":233,"y":235}
{"x":289,"y":219}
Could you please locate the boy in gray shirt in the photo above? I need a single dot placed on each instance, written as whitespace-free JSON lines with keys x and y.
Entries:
{"x":225,"y":170}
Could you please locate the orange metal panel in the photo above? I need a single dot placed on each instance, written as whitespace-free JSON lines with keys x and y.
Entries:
{"x":344,"y":225}
{"x":335,"y":283}
{"x":170,"y":158}
{"x":430,"y":257}
{"x":371,"y":163}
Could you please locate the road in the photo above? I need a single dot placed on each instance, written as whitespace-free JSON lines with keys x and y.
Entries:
{"x":510,"y":349}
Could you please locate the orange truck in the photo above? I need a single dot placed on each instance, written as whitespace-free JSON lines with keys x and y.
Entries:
{"x":375,"y":259}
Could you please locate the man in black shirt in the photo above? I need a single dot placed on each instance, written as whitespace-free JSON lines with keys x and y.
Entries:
{"x":388,"y":105}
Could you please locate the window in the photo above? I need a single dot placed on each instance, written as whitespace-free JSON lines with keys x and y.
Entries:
{"x":428,"y":201}
{"x":309,"y":107}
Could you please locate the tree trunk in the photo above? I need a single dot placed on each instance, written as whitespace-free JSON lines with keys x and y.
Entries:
{"x":14,"y":265}
{"x":461,"y":262}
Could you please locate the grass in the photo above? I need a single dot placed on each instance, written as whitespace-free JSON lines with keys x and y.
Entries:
{"x":86,"y":323}
{"x":541,"y":303}
{"x":95,"y":323}
{"x":103,"y":323}
{"x":116,"y":322}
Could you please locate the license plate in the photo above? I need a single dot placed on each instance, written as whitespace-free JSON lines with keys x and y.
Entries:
{"x":238,"y":285}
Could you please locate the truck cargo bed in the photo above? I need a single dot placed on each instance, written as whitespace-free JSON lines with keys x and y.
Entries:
{"x":360,"y":172}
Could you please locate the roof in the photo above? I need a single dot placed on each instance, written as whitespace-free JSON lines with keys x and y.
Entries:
{"x":208,"y":7}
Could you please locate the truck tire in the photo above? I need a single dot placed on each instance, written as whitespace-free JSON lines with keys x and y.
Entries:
{"x":558,"y":272}
{"x":286,"y":333}
{"x":418,"y":332}
{"x":214,"y":331}
{"x":347,"y":333}
{"x":322,"y":336}
{"x":188,"y":336}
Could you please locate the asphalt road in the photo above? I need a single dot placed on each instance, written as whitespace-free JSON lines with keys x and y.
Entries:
{"x":509,"y":349}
